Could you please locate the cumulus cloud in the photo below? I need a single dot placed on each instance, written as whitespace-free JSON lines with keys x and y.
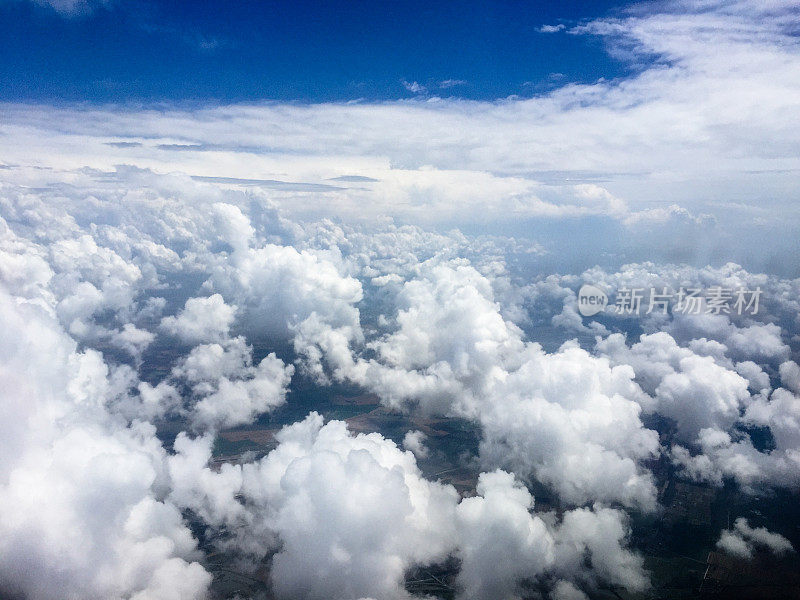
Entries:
{"x":132,"y":339}
{"x":790,"y":376}
{"x":415,"y":441}
{"x":278,"y":287}
{"x":356,"y":510}
{"x":539,"y":424}
{"x":201,"y":320}
{"x":742,"y":540}
{"x":691,"y":389}
{"x":601,"y":534}
{"x":227,"y":389}
{"x":431,"y":322}
{"x":503,"y":543}
{"x":239,"y":401}
{"x":563,"y":418}
{"x":100,"y":527}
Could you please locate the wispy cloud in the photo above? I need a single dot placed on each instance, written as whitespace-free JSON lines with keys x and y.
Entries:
{"x":414,"y":87}
{"x":448,"y":83}
{"x":74,"y":8}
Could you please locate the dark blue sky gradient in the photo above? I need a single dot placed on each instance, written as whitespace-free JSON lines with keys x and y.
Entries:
{"x":299,"y":51}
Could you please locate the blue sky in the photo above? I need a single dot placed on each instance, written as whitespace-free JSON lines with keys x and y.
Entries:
{"x":305,"y":51}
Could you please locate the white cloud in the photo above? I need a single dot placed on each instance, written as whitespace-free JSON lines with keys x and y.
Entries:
{"x":356,"y":509}
{"x":404,"y":313}
{"x":448,"y":83}
{"x":414,"y":87}
{"x":693,"y":390}
{"x":790,"y":376}
{"x":98,"y":527}
{"x":240,"y":401}
{"x":415,"y":441}
{"x":568,"y":419}
{"x":742,"y":540}
{"x":132,"y":340}
{"x":564,"y":590}
{"x":278,"y":287}
{"x":601,"y":535}
{"x":502,"y":542}
{"x":201,"y":320}
{"x":227,"y":389}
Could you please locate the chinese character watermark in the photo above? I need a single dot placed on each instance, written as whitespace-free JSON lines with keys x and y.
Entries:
{"x":686,"y":300}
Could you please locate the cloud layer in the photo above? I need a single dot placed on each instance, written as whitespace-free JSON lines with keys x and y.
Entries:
{"x":166,"y":275}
